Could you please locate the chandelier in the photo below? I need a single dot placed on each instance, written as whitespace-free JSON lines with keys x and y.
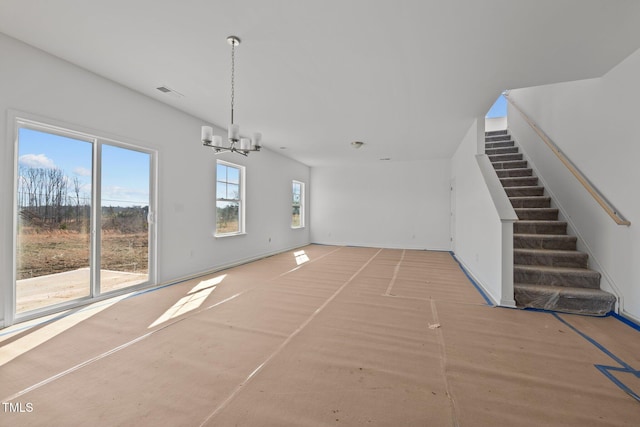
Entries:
{"x":234,"y":143}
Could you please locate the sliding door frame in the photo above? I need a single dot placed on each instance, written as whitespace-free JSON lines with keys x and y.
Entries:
{"x":16,"y":121}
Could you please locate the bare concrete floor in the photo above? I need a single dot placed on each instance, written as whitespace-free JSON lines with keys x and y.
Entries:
{"x":43,"y":291}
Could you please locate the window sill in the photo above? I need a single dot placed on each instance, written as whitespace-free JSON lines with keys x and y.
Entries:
{"x":297,"y":228}
{"x":222,"y":236}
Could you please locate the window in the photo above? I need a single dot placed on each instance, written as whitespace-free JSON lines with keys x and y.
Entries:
{"x":91,"y":227}
{"x":297,"y":212}
{"x":229,"y":199}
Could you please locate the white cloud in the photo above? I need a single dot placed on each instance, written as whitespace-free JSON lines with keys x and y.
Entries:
{"x":122,"y":196}
{"x":36,"y":161}
{"x":80,"y":171}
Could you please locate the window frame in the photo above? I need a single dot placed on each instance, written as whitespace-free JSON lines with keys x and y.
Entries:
{"x":241,"y":199}
{"x":301,"y":204}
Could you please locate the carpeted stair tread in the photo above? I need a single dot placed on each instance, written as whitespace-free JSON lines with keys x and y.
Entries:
{"x":556,"y":276}
{"x":496,"y":132}
{"x":530,"y":202}
{"x":510,"y":164}
{"x":550,"y":257}
{"x":519,"y":181}
{"x":524,"y":191}
{"x":545,"y":241}
{"x":500,"y":144}
{"x":507,"y":173}
{"x":501,"y":150}
{"x":540,"y":227}
{"x":493,"y":138}
{"x":542,"y":214}
{"x":564,"y":299}
{"x":496,"y":158}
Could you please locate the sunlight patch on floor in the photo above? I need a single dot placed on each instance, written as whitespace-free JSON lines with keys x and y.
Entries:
{"x":192,"y":301}
{"x":301,"y":257}
{"x":42,"y":334}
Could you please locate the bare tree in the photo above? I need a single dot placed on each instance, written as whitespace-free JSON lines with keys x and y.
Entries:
{"x":76,"y":190}
{"x":56,"y":193}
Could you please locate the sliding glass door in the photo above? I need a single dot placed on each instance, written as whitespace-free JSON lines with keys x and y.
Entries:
{"x":53,"y":253}
{"x":82,"y":214}
{"x":124,"y":203}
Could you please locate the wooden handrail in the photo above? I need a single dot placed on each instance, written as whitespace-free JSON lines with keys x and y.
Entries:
{"x":602,"y":201}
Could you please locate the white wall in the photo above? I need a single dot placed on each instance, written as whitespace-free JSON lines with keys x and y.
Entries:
{"x":40,"y":84}
{"x":595,"y":123}
{"x":495,"y":123}
{"x":480,"y":233}
{"x":386,"y":204}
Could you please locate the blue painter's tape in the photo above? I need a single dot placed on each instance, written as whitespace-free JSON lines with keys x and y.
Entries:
{"x":473,"y":282}
{"x":607,"y":370}
{"x":594,"y":342}
{"x":626,"y":321}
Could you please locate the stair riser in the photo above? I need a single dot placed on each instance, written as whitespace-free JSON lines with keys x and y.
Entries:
{"x":537,"y":214}
{"x":497,"y":138}
{"x":517,"y":164}
{"x":539,"y":228}
{"x":567,"y":243}
{"x":524,"y":192}
{"x":504,"y":150}
{"x":570,"y":259}
{"x":530,"y":202}
{"x":589,"y":279}
{"x":500,"y":144}
{"x":507,"y":173}
{"x":519,"y":182}
{"x":598,"y":306}
{"x":505,"y":157}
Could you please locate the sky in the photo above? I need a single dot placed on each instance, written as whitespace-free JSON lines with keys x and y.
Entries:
{"x":499,"y":108}
{"x":125,"y":173}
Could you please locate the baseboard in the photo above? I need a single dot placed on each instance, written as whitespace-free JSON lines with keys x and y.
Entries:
{"x":630,"y":318}
{"x":382,"y":246}
{"x":476,"y":282}
{"x":227,"y":266}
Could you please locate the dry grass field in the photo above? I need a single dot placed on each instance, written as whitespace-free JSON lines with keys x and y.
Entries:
{"x":224,"y":227}
{"x":55,"y":251}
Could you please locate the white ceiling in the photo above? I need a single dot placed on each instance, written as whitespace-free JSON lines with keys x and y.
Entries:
{"x":406,"y":77}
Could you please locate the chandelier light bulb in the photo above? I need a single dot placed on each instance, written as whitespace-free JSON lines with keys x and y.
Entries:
{"x":207,"y":133}
{"x":234,"y":132}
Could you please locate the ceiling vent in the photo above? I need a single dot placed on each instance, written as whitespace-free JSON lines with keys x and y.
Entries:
{"x":171,"y":92}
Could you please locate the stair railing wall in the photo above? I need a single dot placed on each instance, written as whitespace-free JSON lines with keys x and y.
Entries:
{"x":483,"y":219}
{"x":507,"y":217}
{"x":597,"y":195}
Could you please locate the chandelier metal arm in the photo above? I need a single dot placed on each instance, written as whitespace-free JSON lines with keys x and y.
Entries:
{"x":231,"y":149}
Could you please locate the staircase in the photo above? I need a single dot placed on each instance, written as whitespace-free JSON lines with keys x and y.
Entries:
{"x":548,"y":272}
